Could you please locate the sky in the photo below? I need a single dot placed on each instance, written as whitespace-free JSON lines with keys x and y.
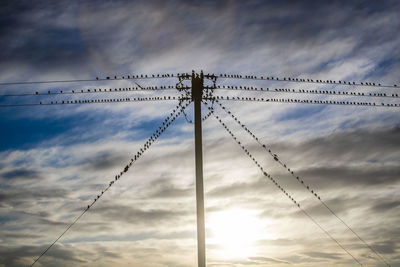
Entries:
{"x":55,"y":159}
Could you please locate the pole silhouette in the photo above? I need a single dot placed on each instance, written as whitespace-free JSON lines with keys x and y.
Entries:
{"x":197,"y":93}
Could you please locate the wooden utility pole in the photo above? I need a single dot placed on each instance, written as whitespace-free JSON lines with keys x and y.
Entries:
{"x":197,"y":93}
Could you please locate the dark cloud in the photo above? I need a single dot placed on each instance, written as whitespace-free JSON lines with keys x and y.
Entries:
{"x":324,"y":161}
{"x":105,"y":160}
{"x":42,"y":35}
{"x":346,"y":175}
{"x":340,"y":205}
{"x":385,"y":206}
{"x":19,"y":235}
{"x":322,"y":255}
{"x":387,"y":247}
{"x":22,"y":174}
{"x":32,"y":194}
{"x":345,"y":145}
{"x":73,"y":35}
{"x":25,"y":255}
{"x":16,"y":197}
{"x":132,"y":215}
{"x":165,"y":189}
{"x":266,"y":260}
{"x":238,"y":189}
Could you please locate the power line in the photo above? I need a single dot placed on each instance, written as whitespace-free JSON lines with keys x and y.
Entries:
{"x":156,"y":134}
{"x":94,"y":91}
{"x":207,"y":115}
{"x":120,"y":90}
{"x":301,"y":181}
{"x":209,"y":96}
{"x":307,"y":91}
{"x":96,"y":101}
{"x":304,"y":101}
{"x":181,"y":76}
{"x":108,"y":78}
{"x":186,"y":76}
{"x":283,"y":190}
{"x":304,"y":80}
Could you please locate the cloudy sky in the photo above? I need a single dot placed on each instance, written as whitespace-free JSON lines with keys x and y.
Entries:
{"x":54,"y":160}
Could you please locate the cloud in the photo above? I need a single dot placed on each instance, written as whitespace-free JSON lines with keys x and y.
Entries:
{"x":321,"y":255}
{"x":166,"y":189}
{"x":129,"y":215}
{"x":386,"y":247}
{"x":385,"y":206}
{"x":355,"y":176}
{"x":55,"y":160}
{"x":24,"y":174}
{"x":103,"y":161}
{"x":11,"y":256}
{"x":17,"y":196}
{"x":263,"y":260}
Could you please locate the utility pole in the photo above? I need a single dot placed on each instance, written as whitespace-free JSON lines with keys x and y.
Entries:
{"x":197,"y":93}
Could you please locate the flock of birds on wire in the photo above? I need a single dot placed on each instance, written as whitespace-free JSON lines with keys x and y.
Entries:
{"x":211,"y":90}
{"x":209,"y":99}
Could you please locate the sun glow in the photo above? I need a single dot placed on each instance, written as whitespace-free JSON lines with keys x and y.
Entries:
{"x":234,"y":233}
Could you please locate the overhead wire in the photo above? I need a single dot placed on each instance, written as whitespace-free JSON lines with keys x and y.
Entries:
{"x":300,"y":181}
{"x":95,"y":101}
{"x":305,"y":101}
{"x":156,"y":134}
{"x":94,"y":91}
{"x":273,"y":180}
{"x":307,"y":91}
{"x":227,"y":76}
{"x":107,"y":78}
{"x":304,"y":80}
{"x":207,"y":115}
{"x":211,"y":98}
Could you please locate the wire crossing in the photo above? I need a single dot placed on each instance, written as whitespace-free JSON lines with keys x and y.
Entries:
{"x":301,"y":181}
{"x":202,"y":119}
{"x":156,"y":134}
{"x":304,"y":80}
{"x":306,"y":91}
{"x":283,"y":190}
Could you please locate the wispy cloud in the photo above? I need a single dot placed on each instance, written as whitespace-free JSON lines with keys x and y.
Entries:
{"x":55,"y":160}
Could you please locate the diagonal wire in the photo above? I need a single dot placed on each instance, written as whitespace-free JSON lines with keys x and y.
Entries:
{"x":202,"y":119}
{"x":283,"y":190}
{"x":301,"y":181}
{"x":147,"y":145}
